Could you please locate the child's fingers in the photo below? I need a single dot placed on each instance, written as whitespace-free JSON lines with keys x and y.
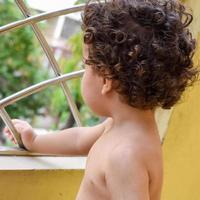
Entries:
{"x":15,"y":121}
{"x":17,"y":124}
{"x":10,"y":137}
{"x":13,"y":140}
{"x":5,"y":129}
{"x":22,"y":127}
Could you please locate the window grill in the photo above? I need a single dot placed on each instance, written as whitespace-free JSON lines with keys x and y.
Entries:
{"x":59,"y":78}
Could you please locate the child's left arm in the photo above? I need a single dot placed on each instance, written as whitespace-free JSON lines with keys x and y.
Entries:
{"x":127,"y":177}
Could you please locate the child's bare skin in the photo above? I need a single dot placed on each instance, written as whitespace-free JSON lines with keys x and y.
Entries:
{"x":115,"y":166}
{"x":124,"y":152}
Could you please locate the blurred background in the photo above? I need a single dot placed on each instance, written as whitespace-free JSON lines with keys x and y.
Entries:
{"x":23,"y":63}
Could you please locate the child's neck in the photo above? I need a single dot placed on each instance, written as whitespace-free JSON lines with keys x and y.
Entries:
{"x":124,"y":114}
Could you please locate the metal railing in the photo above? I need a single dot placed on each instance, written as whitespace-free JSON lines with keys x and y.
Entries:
{"x":59,"y":79}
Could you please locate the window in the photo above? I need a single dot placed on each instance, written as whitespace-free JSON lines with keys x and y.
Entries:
{"x":58,"y":79}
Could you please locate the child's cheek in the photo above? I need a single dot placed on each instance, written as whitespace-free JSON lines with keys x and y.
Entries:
{"x":89,"y":92}
{"x":83,"y":89}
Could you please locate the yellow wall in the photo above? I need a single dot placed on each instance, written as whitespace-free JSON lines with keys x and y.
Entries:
{"x":181,"y":147}
{"x":40,"y":184}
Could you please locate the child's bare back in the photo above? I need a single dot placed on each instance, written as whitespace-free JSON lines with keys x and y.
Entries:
{"x":123,"y":164}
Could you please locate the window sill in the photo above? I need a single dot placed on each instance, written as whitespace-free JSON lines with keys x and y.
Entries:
{"x":16,"y":159}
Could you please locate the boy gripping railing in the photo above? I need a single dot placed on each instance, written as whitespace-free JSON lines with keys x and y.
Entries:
{"x":60,"y":79}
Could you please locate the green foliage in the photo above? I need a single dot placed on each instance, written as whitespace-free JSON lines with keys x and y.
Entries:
{"x":21,"y":66}
{"x":58,"y":106}
{"x":72,"y":63}
{"x":58,"y":103}
{"x":80,"y":1}
{"x":20,"y":63}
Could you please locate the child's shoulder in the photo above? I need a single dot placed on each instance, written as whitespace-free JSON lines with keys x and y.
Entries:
{"x":126,"y":172}
{"x":130,"y":150}
{"x":136,"y":164}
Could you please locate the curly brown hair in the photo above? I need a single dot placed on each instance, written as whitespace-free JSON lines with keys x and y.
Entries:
{"x":144,"y":46}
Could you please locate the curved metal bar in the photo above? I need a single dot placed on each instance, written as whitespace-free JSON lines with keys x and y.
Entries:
{"x":40,"y":17}
{"x":52,"y":61}
{"x":38,"y":87}
{"x":7,"y":120}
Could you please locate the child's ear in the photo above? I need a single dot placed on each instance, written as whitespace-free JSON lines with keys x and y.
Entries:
{"x":107,"y":86}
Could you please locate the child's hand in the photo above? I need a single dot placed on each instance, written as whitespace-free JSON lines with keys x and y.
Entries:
{"x":25,"y":130}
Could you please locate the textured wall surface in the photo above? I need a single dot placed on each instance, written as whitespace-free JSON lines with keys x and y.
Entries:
{"x":181,"y":146}
{"x":40,"y":184}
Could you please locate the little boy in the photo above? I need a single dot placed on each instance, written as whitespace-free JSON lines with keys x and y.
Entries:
{"x":138,"y":56}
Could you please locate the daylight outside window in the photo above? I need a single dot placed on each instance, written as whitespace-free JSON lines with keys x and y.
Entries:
{"x":37,"y":53}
